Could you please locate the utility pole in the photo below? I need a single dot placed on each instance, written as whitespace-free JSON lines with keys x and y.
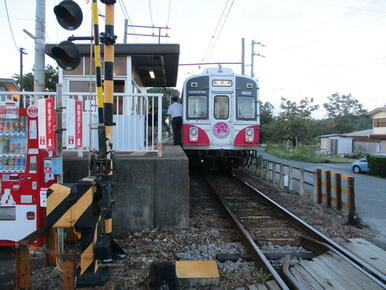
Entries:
{"x":253,"y":54}
{"x":125,"y":31}
{"x":22,"y":51}
{"x":243,"y":56}
{"x":40,"y":28}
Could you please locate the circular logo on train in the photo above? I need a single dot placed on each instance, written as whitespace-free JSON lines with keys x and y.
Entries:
{"x":221,"y":130}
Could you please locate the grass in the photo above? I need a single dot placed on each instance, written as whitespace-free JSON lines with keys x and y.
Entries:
{"x":262,"y":276}
{"x":303,"y":153}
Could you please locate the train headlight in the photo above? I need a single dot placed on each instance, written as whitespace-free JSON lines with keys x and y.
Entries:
{"x":249,"y":135}
{"x":193,"y":134}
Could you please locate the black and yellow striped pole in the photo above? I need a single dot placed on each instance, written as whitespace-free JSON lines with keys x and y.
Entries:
{"x":108,"y":41}
{"x":107,"y":249}
{"x":98,"y":75}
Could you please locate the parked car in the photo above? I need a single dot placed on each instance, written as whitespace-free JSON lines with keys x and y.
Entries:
{"x":360,"y":165}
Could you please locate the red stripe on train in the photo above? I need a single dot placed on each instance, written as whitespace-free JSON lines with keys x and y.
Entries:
{"x":240,"y":137}
{"x":203,"y":138}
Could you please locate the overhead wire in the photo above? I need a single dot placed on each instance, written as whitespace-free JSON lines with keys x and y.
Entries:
{"x":168,"y":17}
{"x":215,"y":30}
{"x":126,"y":15}
{"x":151,"y":14}
{"x":222,"y":26}
{"x":151,"y":17}
{"x":10,"y":26}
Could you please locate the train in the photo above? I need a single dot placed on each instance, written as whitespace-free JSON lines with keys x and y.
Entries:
{"x":221,"y":124}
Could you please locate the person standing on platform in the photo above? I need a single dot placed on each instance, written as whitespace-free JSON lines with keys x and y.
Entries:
{"x":175,"y":115}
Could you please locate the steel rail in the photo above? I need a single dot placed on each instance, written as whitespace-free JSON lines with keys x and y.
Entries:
{"x":366,"y":268}
{"x":255,"y":251}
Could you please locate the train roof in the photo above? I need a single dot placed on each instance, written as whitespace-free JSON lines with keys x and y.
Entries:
{"x":217,"y":70}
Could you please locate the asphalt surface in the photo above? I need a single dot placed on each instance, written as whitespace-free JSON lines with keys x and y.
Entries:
{"x":370,"y":193}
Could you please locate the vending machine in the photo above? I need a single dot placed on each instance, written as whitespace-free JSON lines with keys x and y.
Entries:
{"x":26,"y":169}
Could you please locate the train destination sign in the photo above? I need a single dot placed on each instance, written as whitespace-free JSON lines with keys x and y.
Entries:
{"x":222,"y":83}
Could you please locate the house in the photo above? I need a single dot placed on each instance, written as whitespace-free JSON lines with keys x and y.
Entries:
{"x":379,"y":128}
{"x":335,"y":144}
{"x":367,"y":141}
{"x":8,"y":85}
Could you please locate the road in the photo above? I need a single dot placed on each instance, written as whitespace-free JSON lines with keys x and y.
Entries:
{"x":370,"y":193}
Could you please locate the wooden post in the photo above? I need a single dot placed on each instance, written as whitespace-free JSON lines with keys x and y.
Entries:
{"x":268,"y":162}
{"x":301,"y":189}
{"x":290,"y":177}
{"x":281,"y":176}
{"x":328,"y":188}
{"x":351,"y":199}
{"x":51,"y":244}
{"x":318,"y":185}
{"x":338,"y":190}
{"x":68,"y":274}
{"x":262,"y":168}
{"x":23,"y":270}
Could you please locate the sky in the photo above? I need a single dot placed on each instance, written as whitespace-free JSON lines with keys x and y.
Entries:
{"x":313,"y":48}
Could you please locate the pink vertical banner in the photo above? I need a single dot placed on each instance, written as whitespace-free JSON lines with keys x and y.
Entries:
{"x":78,"y":123}
{"x":50,"y":124}
{"x":42,"y":124}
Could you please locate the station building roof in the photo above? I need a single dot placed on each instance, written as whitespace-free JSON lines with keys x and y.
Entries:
{"x":162,"y":59}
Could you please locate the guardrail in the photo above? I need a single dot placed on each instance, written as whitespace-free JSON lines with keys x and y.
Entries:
{"x":326,"y":190}
{"x":138,"y":126}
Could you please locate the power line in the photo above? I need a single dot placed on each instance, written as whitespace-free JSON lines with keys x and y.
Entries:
{"x":222,"y":26}
{"x":215,"y":30}
{"x":126,"y":15}
{"x":167,"y":21}
{"x":151,"y":14}
{"x":10,"y":26}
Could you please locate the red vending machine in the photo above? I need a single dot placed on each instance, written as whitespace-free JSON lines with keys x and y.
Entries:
{"x":25,"y":171}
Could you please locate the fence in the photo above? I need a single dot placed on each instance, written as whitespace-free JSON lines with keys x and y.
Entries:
{"x":320,"y":182}
{"x":138,"y":126}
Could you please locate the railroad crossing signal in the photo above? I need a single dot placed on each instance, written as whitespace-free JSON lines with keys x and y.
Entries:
{"x":69,"y":16}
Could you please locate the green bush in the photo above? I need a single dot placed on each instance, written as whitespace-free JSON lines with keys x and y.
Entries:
{"x":377,"y":165}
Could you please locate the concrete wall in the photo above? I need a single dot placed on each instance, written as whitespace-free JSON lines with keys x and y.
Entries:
{"x":149,"y":191}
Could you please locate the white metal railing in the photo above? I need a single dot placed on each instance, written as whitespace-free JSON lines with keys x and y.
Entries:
{"x":138,"y":126}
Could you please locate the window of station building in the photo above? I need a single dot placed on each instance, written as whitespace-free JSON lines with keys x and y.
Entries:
{"x":81,"y":86}
{"x":197,"y":107}
{"x":379,"y":122}
{"x":246,"y":108}
{"x":221,"y":107}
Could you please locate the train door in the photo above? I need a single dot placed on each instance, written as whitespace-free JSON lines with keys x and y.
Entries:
{"x":221,"y":116}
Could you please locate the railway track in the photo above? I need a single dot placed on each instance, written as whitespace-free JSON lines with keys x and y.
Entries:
{"x":261,"y":222}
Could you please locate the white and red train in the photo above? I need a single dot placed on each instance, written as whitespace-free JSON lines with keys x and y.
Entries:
{"x":220,"y":117}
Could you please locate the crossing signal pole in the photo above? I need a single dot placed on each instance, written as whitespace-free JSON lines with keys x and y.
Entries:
{"x":89,"y":201}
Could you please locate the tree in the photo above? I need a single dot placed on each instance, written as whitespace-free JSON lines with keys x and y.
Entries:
{"x":51,"y":79}
{"x":295,"y":120}
{"x":347,"y":113}
{"x":266,"y":117}
{"x":266,"y":113}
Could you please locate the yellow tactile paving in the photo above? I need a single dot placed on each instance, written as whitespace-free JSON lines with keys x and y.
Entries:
{"x":196,"y":269}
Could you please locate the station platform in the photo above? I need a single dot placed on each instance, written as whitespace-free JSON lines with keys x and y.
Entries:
{"x":149,"y":190}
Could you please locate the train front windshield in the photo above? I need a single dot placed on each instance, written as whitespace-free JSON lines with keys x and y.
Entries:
{"x":246,"y":108}
{"x":197,"y":107}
